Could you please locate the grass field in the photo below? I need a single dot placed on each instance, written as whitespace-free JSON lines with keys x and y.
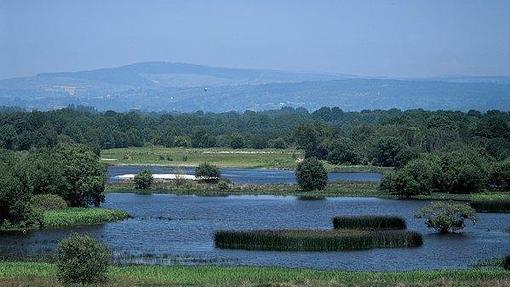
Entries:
{"x":222,"y":157}
{"x":43,"y":274}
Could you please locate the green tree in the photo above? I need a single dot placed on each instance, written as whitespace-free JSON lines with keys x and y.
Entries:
{"x":500,"y":175}
{"x":144,"y":179}
{"x":447,"y":216}
{"x":311,"y":174}
{"x":208,"y":172}
{"x":390,"y":151}
{"x":236,"y":141}
{"x":81,"y":259}
{"x":463,"y":171}
{"x":415,"y":178}
{"x":84,"y":174}
{"x":342,"y":151}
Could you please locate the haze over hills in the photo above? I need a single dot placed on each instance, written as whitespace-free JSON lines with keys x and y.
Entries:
{"x":161,"y":86}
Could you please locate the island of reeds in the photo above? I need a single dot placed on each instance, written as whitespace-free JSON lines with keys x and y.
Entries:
{"x":350,"y":233}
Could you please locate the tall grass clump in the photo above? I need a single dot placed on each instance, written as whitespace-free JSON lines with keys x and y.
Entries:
{"x":81,"y":216}
{"x":491,"y":206}
{"x":316,"y":240}
{"x":369,"y":222}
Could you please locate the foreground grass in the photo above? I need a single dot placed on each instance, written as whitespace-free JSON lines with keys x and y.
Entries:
{"x":69,"y":217}
{"x":221,"y":157}
{"x":43,"y":274}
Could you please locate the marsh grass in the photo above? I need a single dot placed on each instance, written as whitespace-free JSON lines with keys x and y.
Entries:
{"x":369,"y":222}
{"x":491,"y":206}
{"x":316,"y":240}
{"x":69,"y":217}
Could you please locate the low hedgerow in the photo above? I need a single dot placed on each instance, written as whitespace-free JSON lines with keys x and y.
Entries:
{"x":316,"y":240}
{"x":491,"y":206}
{"x":48,"y":202}
{"x":369,"y":222}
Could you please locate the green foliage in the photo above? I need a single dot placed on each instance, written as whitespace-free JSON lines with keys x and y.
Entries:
{"x":84,"y":174}
{"x":491,"y":206}
{"x":74,"y":216}
{"x":415,"y":178}
{"x":236,"y":141}
{"x":447,"y":216}
{"x":223,"y":185}
{"x":48,"y":202}
{"x":369,"y":222}
{"x":463,"y":171}
{"x":144,"y":179}
{"x":15,"y":193}
{"x":506,"y":262}
{"x":81,"y":259}
{"x":208,"y":172}
{"x":500,"y":175}
{"x":316,"y":240}
{"x":311,"y":174}
{"x":390,"y":151}
{"x":342,"y":151}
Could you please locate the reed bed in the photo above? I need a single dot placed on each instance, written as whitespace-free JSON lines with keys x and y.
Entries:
{"x":369,"y":222}
{"x":81,"y":216}
{"x":491,"y":206}
{"x":316,"y":240}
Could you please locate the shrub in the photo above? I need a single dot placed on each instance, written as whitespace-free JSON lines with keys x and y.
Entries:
{"x":462,"y":172}
{"x":342,"y":151}
{"x":207,"y":172}
{"x":491,"y":206}
{"x":311,"y":174}
{"x":316,"y":240}
{"x":446,"y":216}
{"x":144,"y":179}
{"x":81,"y":259}
{"x":15,"y":193}
{"x":390,"y":151}
{"x":506,"y":262}
{"x":369,"y":222}
{"x":415,"y":178}
{"x":500,"y":175}
{"x":48,"y":202}
{"x":223,"y":185}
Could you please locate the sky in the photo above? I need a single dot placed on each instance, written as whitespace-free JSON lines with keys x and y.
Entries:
{"x":406,"y":38}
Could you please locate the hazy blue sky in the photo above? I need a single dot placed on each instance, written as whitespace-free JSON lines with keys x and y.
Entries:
{"x":386,"y":38}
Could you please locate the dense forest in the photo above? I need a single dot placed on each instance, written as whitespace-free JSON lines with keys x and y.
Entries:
{"x":318,"y":132}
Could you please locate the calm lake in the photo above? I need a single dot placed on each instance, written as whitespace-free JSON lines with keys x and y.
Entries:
{"x":170,"y":229}
{"x":245,"y":175}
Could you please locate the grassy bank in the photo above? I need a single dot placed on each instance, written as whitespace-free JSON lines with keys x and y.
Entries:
{"x":43,"y":274}
{"x":495,"y":202}
{"x":75,"y":216}
{"x":81,"y":216}
{"x":336,"y":189}
{"x":316,"y":240}
{"x":221,"y":157}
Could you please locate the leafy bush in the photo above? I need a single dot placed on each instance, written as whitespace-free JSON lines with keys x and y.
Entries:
{"x":316,"y":240}
{"x":463,"y":171}
{"x":48,"y":202}
{"x":415,"y":178}
{"x":369,"y":222}
{"x":144,"y":179}
{"x":390,"y":151}
{"x":500,"y":175}
{"x":207,"y":172}
{"x":342,"y":151}
{"x":223,"y":185}
{"x":81,"y":259}
{"x":446,"y":216}
{"x":311,"y":174}
{"x":15,"y":193}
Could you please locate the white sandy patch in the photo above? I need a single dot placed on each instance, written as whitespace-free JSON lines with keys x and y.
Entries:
{"x":159,"y":176}
{"x":109,"y":159}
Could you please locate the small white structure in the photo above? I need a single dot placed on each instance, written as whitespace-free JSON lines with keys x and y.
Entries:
{"x":158,"y":176}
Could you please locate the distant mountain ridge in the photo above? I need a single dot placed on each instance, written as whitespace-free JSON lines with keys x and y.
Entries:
{"x":161,"y":86}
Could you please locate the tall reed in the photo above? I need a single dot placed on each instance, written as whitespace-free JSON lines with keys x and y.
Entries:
{"x":369,"y":222}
